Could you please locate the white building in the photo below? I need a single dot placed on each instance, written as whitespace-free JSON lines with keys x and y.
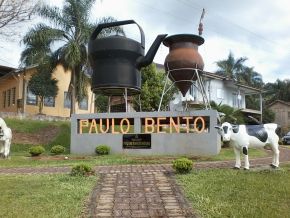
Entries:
{"x":220,"y":90}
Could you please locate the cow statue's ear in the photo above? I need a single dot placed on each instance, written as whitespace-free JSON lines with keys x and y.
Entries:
{"x":235,"y":128}
{"x":218,"y":127}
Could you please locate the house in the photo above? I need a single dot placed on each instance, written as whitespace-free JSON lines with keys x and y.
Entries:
{"x":282,"y":114}
{"x":15,"y":96}
{"x":222,"y":90}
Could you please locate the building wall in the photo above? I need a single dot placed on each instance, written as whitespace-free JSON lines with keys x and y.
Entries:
{"x":21,"y":81}
{"x":9,"y":85}
{"x":282,"y":113}
{"x":218,"y":92}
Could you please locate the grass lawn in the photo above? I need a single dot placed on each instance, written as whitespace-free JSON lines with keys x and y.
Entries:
{"x":230,"y":193}
{"x":44,"y":195}
{"x":20,"y":158}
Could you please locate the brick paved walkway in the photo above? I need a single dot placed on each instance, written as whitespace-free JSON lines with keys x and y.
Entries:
{"x":140,"y":190}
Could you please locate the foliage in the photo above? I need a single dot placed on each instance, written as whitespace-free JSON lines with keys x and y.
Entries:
{"x":101,"y":103}
{"x":103,"y":150}
{"x":222,"y":192}
{"x":14,"y":13}
{"x":42,"y":85}
{"x":68,"y":27}
{"x":81,"y":170}
{"x":237,"y":70}
{"x":182,"y":165}
{"x":57,"y":195}
{"x":36,"y":150}
{"x":63,"y":137}
{"x":279,"y":90}
{"x":151,"y":90}
{"x":230,"y":67}
{"x":231,"y":115}
{"x":268,"y":115}
{"x":57,"y":149}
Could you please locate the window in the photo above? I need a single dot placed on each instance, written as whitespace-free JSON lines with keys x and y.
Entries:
{"x":4,"y":99}
{"x":13,"y":96}
{"x":49,"y":101}
{"x":31,"y":99}
{"x":67,"y":100}
{"x":83,"y":104}
{"x":237,"y":100}
{"x":9,"y":97}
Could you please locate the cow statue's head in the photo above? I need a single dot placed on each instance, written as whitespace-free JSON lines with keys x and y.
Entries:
{"x":1,"y":133}
{"x":226,"y":130}
{"x":2,"y":127}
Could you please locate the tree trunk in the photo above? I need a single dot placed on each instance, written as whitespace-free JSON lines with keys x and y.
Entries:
{"x":73,"y":93}
{"x":41,"y":104}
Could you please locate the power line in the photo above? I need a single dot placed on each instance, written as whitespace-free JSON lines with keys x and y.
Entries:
{"x":209,"y":28}
{"x":230,"y":22}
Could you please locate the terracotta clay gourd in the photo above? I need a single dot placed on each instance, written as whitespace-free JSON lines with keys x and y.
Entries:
{"x":183,"y":59}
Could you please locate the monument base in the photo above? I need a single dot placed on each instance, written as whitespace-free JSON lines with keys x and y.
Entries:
{"x":147,"y":133}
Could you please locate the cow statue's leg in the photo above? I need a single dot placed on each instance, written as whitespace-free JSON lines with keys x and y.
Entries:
{"x":7,"y":148}
{"x":2,"y":147}
{"x":246,"y":158}
{"x":275,"y":160}
{"x":238,"y":158}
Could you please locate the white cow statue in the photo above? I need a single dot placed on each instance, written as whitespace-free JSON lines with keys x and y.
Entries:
{"x":5,"y":139}
{"x":243,"y":137}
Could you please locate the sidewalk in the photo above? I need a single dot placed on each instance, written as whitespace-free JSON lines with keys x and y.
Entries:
{"x":140,"y":190}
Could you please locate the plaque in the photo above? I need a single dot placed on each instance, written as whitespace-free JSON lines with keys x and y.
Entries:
{"x":137,"y":141}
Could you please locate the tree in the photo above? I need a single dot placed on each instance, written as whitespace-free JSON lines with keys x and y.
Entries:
{"x":230,"y":67}
{"x":268,"y":116}
{"x":151,"y":89}
{"x":250,"y":77}
{"x":14,"y":12}
{"x":230,"y":114}
{"x":279,"y":90}
{"x":101,"y":103}
{"x":42,"y":85}
{"x":70,"y":30}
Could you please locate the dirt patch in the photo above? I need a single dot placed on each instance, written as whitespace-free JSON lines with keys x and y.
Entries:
{"x":42,"y":137}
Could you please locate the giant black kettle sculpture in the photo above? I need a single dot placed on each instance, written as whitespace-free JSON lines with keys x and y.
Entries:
{"x":116,"y":60}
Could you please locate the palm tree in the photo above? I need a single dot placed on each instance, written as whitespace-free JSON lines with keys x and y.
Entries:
{"x":230,"y":67}
{"x":69,"y":32}
{"x":229,"y":114}
{"x":279,"y":90}
{"x":250,"y":77}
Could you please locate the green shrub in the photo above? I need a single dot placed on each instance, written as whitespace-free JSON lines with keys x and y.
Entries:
{"x":57,"y":149}
{"x":182,"y":165}
{"x":103,"y":149}
{"x":36,"y":150}
{"x":81,"y":170}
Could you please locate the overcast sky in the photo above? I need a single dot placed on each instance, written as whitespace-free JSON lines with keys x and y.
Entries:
{"x":258,"y":30}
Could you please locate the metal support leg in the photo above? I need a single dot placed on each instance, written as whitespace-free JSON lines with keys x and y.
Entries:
{"x":109,"y":104}
{"x":140,"y":106}
{"x":126,"y":100}
{"x":163,"y":92}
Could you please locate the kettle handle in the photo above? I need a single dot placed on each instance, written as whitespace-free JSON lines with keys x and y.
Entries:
{"x":117,"y":23}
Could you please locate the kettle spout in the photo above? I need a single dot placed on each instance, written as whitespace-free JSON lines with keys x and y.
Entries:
{"x":148,"y":59}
